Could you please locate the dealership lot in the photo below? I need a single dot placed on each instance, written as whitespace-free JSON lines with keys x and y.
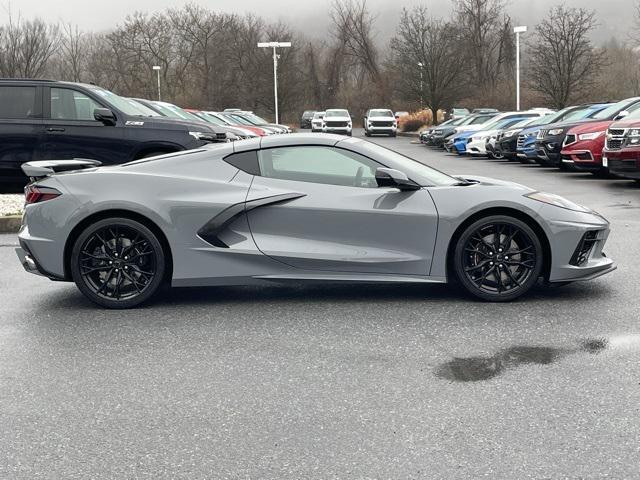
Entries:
{"x":346,"y":381}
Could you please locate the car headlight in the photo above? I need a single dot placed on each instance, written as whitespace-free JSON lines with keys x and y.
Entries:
{"x":555,"y":131}
{"x":589,"y":136}
{"x":634,"y":136}
{"x":205,"y":136}
{"x":557,"y":201}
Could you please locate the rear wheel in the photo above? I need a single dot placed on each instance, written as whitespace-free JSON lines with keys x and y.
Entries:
{"x":118,"y":263}
{"x":498,"y":258}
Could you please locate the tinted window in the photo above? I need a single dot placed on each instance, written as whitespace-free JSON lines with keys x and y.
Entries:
{"x":67,"y":104}
{"x":17,"y":102}
{"x":316,"y":164}
{"x":380,"y":113}
{"x":245,"y":161}
{"x":336,"y":113}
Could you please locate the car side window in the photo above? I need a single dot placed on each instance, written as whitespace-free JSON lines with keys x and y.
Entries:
{"x":17,"y":102}
{"x":318,"y":164}
{"x":68,"y":104}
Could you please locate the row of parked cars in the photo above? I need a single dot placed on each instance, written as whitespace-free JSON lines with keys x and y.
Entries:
{"x":601,"y":138}
{"x":52,"y":120}
{"x":376,"y":121}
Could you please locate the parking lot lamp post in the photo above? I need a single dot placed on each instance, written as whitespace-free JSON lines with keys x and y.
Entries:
{"x":421,"y":66}
{"x":518,"y":31}
{"x":157,"y":69}
{"x":275,"y":45}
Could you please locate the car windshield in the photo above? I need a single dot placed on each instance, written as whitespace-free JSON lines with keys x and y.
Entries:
{"x":308,"y":114}
{"x":125,"y":105}
{"x":144,"y":108}
{"x":381,"y":113}
{"x":526,"y":122}
{"x":238,"y":120}
{"x":460,"y":111}
{"x":503,"y":122}
{"x":477,"y":120}
{"x":415,"y":170}
{"x":252,"y":117}
{"x":213,"y":119}
{"x":318,"y":115}
{"x":610,"y":111}
{"x":337,"y":113}
{"x":170,"y":112}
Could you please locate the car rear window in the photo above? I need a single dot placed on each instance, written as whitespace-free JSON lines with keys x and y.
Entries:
{"x":17,"y":102}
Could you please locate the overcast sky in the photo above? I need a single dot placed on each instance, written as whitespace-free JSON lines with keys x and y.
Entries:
{"x":615,"y":16}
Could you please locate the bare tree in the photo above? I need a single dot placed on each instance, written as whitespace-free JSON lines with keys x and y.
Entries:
{"x":422,"y":51}
{"x":487,"y":37}
{"x":72,"y":53}
{"x":563,"y":63}
{"x":26,"y":47}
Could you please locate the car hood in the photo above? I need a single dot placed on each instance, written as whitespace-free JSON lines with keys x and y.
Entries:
{"x":173,"y":124}
{"x":388,"y":119}
{"x":590,"y":127}
{"x":339,"y":119}
{"x":567,"y":125}
{"x":625,"y":124}
{"x":485,"y":132}
{"x":488,"y":181}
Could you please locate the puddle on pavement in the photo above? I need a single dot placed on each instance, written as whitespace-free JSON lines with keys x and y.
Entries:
{"x":475,"y":369}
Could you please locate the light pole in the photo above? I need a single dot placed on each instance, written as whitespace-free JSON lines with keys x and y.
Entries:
{"x":275,"y":45}
{"x":518,"y":31}
{"x":157,"y":69}
{"x":421,"y":66}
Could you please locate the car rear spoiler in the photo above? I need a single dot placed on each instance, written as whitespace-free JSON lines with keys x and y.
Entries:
{"x":44,"y":168}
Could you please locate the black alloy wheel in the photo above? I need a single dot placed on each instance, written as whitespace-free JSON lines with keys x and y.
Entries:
{"x":118,"y":263}
{"x":498,"y":258}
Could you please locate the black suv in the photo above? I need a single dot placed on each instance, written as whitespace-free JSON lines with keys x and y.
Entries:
{"x":51,"y":120}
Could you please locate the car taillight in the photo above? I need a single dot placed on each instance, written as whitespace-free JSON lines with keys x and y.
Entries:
{"x":36,"y":194}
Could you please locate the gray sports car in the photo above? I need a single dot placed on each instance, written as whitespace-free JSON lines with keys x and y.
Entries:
{"x":293,"y":208}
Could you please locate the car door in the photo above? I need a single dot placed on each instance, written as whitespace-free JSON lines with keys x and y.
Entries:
{"x":334,"y":217}
{"x":71,"y":131}
{"x":20,"y":130}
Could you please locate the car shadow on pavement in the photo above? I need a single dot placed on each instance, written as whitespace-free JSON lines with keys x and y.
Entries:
{"x":372,"y":294}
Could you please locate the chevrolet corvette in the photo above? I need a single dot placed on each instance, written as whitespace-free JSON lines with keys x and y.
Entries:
{"x":293,"y":208}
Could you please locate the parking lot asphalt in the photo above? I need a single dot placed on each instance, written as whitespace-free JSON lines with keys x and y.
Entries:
{"x":332,"y":381}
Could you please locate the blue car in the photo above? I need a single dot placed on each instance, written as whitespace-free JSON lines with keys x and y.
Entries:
{"x":462,"y":139}
{"x":526,"y":147}
{"x":460,"y":142}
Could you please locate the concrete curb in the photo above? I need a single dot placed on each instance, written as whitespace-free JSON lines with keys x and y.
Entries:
{"x":10,"y":223}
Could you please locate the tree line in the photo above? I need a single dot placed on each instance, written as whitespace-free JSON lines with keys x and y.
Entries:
{"x":210,"y":60}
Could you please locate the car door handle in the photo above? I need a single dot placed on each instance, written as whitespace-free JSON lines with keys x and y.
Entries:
{"x":55,"y":129}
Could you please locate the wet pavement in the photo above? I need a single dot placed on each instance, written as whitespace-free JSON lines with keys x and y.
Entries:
{"x":334,"y":381}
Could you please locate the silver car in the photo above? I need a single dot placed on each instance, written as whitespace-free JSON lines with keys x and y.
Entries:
{"x":300,"y":207}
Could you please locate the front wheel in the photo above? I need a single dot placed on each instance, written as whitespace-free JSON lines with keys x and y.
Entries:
{"x":498,"y":258}
{"x":118,"y":263}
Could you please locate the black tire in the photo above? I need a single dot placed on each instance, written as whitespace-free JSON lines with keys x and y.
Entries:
{"x":481,"y":263}
{"x":366,"y":133}
{"x":393,"y":135}
{"x":118,"y":263}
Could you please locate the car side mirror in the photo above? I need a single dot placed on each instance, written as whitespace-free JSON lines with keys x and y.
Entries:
{"x":389,"y":177}
{"x":105,"y":116}
{"x":622,"y":114}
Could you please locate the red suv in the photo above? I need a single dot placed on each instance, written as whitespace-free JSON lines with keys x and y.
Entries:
{"x":583,"y":146}
{"x":622,"y":149}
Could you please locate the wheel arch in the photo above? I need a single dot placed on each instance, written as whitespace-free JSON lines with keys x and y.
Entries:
{"x":507,"y":211}
{"x":114,"y":213}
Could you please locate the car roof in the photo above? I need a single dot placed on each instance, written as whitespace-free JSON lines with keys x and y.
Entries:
{"x":290,"y":140}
